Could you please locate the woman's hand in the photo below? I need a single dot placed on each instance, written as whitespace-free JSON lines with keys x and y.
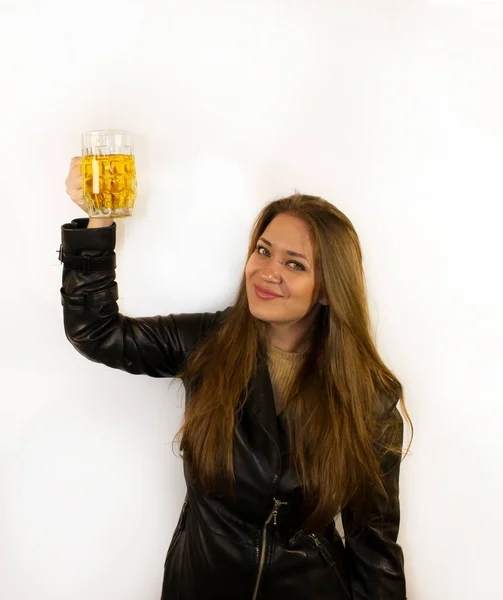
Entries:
{"x":75,"y":190}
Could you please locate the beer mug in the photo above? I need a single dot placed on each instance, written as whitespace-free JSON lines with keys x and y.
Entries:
{"x":108,"y":173}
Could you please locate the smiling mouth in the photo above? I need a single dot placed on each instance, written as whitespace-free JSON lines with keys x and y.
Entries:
{"x":265,"y":294}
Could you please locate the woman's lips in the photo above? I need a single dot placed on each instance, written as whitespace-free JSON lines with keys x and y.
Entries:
{"x":265,"y":294}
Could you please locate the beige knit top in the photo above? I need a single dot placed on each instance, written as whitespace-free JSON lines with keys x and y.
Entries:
{"x":282,"y":368}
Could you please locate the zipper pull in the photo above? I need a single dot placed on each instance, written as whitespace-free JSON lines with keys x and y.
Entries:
{"x":277,"y":504}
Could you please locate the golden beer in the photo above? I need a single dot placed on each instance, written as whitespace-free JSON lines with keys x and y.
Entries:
{"x":108,"y":173}
{"x":109,"y":184}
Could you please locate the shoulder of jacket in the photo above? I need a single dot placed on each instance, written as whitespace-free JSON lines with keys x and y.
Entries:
{"x":193,"y":328}
{"x":387,"y":403}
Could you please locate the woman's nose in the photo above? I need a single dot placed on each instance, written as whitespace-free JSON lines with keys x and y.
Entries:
{"x":270,"y":275}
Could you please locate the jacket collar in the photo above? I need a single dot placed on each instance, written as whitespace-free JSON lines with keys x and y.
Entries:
{"x":260,"y":402}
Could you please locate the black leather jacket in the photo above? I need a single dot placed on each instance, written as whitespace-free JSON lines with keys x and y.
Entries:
{"x":250,"y":547}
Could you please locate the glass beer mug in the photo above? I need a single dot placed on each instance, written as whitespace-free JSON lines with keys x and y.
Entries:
{"x":108,"y":173}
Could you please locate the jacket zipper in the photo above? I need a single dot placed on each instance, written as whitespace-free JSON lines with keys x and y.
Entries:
{"x":323,"y":551}
{"x":272,"y":516}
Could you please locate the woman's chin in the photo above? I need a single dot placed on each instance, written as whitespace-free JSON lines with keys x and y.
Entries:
{"x":261,"y":312}
{"x":257,"y":308}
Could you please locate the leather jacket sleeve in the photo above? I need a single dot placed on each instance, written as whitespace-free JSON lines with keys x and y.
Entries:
{"x":156,"y":346}
{"x":375,"y":561}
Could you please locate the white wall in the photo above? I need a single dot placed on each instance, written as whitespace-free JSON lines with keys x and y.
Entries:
{"x":390,"y":109}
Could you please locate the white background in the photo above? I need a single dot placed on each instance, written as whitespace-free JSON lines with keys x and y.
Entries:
{"x":391,"y":110}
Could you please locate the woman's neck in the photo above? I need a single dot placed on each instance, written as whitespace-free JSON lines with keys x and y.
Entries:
{"x":293,"y":337}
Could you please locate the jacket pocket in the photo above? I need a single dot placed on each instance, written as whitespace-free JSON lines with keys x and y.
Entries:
{"x":180,"y":526}
{"x":323,"y":547}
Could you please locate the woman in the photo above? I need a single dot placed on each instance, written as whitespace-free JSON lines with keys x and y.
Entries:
{"x":290,"y":418}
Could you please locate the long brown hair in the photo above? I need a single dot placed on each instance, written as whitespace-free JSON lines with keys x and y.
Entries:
{"x":341,"y":421}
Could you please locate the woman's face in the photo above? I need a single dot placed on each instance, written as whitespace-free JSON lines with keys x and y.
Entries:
{"x":293,"y":278}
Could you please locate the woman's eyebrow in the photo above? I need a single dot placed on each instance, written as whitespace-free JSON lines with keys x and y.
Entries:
{"x":290,"y":252}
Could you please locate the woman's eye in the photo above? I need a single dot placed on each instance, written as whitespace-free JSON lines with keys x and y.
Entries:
{"x":298,"y":266}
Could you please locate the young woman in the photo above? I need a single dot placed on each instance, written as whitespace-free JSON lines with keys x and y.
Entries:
{"x":291,"y":417}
